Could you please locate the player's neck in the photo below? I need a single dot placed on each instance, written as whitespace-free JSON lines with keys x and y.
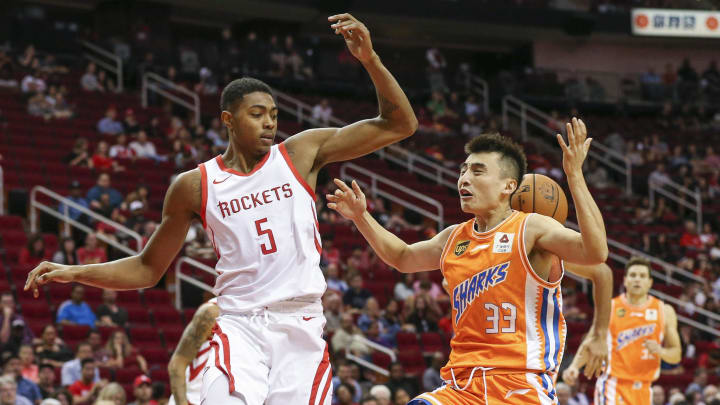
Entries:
{"x":485,"y":222}
{"x":636,"y":300}
{"x":236,"y":159}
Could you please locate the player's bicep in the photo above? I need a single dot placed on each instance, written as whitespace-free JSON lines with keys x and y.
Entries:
{"x":589,"y":272}
{"x":672,"y":337}
{"x":425,"y":255}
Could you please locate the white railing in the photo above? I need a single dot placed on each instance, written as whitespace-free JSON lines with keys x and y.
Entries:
{"x":375,"y":346}
{"x":670,"y":299}
{"x":2,"y":191}
{"x":530,"y":116}
{"x":364,"y":363}
{"x":374,"y":189}
{"x":180,"y":277}
{"x":160,"y":85}
{"x":413,"y":162}
{"x":480,"y":88}
{"x":680,"y":195}
{"x":64,"y":216}
{"x":111,"y":62}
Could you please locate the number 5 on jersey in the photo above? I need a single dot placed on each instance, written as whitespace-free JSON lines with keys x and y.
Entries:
{"x":266,"y":250}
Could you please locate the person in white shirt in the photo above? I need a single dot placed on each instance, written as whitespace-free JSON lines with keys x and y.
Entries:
{"x":121,"y":150}
{"x":142,"y":147}
{"x":322,"y":112}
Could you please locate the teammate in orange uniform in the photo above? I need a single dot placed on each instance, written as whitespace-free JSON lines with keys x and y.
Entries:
{"x":500,"y":267}
{"x":643,"y":330}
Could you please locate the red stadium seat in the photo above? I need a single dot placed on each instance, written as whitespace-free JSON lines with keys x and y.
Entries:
{"x":381,"y":359}
{"x":413,"y":362}
{"x":157,"y":355}
{"x":432,"y":342}
{"x":407,"y":341}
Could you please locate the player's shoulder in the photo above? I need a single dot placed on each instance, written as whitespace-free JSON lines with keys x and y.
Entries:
{"x":186,"y":190}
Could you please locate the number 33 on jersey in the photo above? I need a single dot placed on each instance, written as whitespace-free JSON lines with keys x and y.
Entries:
{"x":264,"y":229}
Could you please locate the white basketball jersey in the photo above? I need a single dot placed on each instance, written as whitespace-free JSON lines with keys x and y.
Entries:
{"x":264,"y":228}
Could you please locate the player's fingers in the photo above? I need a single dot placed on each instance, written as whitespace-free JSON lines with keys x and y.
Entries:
{"x":341,"y":185}
{"x":576,"y":128}
{"x":570,"y":134}
{"x":332,"y":206}
{"x":582,"y":126}
{"x":341,"y":24}
{"x":586,"y":146}
{"x":356,"y":188}
{"x":561,"y":141}
{"x":331,"y":197}
{"x":339,"y":17}
{"x":351,"y":28}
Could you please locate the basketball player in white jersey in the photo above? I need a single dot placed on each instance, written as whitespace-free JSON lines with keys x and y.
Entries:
{"x":192,"y":355}
{"x":256,"y":202}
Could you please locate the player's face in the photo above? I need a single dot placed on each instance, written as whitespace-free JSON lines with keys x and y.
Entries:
{"x":637,"y":280}
{"x":482,"y":184}
{"x":253,"y":123}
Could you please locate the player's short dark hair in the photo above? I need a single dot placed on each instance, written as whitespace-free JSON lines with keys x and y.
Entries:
{"x":639,"y":261}
{"x":87,"y":361}
{"x":368,"y":398}
{"x":46,"y":365}
{"x":238,"y":88}
{"x":512,"y":157}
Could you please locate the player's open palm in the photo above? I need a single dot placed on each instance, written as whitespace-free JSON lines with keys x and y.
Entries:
{"x":576,"y":150}
{"x":356,"y":35}
{"x":46,"y":272}
{"x":349,"y":202}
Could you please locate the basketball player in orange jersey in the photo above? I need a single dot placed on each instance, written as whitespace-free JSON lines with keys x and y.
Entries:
{"x":502,"y":269}
{"x":643,"y":331}
{"x":257,"y":205}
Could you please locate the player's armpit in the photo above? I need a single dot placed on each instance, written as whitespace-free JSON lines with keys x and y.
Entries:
{"x":548,"y":234}
{"x":424,"y":255}
{"x":672,"y":347}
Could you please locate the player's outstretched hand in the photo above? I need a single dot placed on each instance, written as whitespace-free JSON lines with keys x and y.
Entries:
{"x":596,"y":354}
{"x":356,"y":35}
{"x":570,"y":375}
{"x":349,"y":202}
{"x":46,"y":272}
{"x":575,"y":152}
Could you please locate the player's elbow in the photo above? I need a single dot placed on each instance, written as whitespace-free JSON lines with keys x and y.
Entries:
{"x":403,"y":127}
{"x":596,"y":256}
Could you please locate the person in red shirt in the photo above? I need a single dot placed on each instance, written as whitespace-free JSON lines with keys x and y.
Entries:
{"x":690,"y":238}
{"x":34,"y":253}
{"x":85,"y":389}
{"x":102,"y":162}
{"x":91,"y":253}
{"x":143,"y":391}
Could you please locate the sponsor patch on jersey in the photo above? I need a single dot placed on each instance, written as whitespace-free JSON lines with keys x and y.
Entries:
{"x":630,"y":335}
{"x":461,"y":247}
{"x":651,"y":314}
{"x":503,"y":242}
{"x":637,"y":385}
{"x":621,"y":312}
{"x":465,"y":292}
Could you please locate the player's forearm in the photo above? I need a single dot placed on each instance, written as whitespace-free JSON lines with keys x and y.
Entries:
{"x":176,"y":372}
{"x":5,"y":331}
{"x":671,"y":355}
{"x":388,"y":247}
{"x":123,"y":274}
{"x":602,"y":281}
{"x":395,"y":109}
{"x":592,"y":226}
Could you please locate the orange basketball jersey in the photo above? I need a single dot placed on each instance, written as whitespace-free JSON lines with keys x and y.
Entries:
{"x":630,"y":327}
{"x":504,"y":316}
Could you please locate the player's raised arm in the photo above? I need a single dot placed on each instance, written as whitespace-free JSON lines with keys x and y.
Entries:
{"x":420,"y":256}
{"x":594,"y":351}
{"x":395,"y":121}
{"x":589,"y":246}
{"x":192,"y":338}
{"x":146,"y":268}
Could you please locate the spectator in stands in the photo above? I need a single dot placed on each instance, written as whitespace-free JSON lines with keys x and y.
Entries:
{"x":437,"y":105}
{"x":13,"y":329}
{"x":330,"y":254}
{"x":334,"y":282}
{"x":690,"y":238}
{"x":61,"y":109}
{"x":431,"y":377}
{"x":398,"y":380}
{"x":371,"y":314}
{"x":79,"y":155}
{"x":404,"y":288}
{"x":28,"y":367}
{"x":121,"y":150}
{"x":144,"y":149}
{"x":597,"y":176}
{"x":332,"y":305}
{"x":109,"y":313}
{"x":322,"y":112}
{"x":33,"y":253}
{"x":89,"y":80}
{"x":424,"y":283}
{"x":382,"y":394}
{"x":106,"y":82}
{"x":355,"y":297}
{"x":113,"y":393}
{"x":64,"y":396}
{"x":344,"y":395}
{"x":471,"y":128}
{"x":348,"y":337}
{"x":8,"y":392}
{"x":699,"y":382}
{"x":424,"y":315}
{"x":344,"y":377}
{"x":142,"y":388}
{"x":659,"y":176}
{"x":86,"y":388}
{"x":75,"y":311}
{"x":103,"y":162}
{"x":121,"y":353}
{"x":658,"y":395}
{"x":33,"y":83}
{"x":72,"y":370}
{"x":103,"y":187}
{"x":131,"y":124}
{"x":709,"y":393}
{"x":401,"y":396}
{"x":109,"y":124}
{"x":137,"y":219}
{"x":38,"y":106}
{"x":25,"y":387}
{"x":66,"y":253}
{"x":50,"y":349}
{"x":46,"y":381}
{"x":436,"y":69}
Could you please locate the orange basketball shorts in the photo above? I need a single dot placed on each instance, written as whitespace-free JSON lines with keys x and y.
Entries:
{"x":612,"y":391}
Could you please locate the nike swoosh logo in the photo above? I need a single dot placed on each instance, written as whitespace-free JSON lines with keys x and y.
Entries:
{"x":307,"y":318}
{"x":218,"y":182}
{"x":519,"y":392}
{"x":194,"y":371}
{"x":479,"y":247}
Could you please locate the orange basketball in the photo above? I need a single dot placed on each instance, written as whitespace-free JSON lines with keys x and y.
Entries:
{"x":540,"y":194}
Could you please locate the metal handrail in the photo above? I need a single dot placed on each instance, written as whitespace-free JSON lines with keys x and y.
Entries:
{"x":157,"y":83}
{"x":179,"y":277}
{"x":697,"y":207}
{"x":611,"y":158}
{"x":375,"y":191}
{"x":117,"y":69}
{"x":480,"y":87}
{"x":364,"y":363}
{"x":65,"y":217}
{"x":394,"y":153}
{"x":670,"y":298}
